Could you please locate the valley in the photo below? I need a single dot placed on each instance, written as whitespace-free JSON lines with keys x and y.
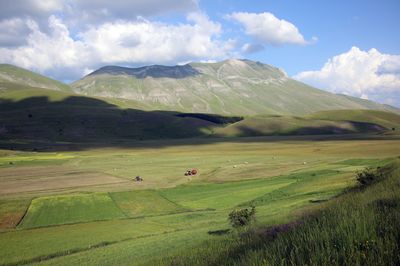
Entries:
{"x":92,"y":194}
{"x":89,"y":178}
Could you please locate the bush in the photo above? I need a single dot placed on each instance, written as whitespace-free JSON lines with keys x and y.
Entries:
{"x":369,"y":176}
{"x":242,"y":217}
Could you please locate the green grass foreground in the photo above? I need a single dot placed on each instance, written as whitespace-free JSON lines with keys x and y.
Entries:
{"x":360,"y":227}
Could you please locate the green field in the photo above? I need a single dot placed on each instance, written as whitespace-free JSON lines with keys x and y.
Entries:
{"x":360,"y":227}
{"x":74,"y":208}
{"x":83,"y":206}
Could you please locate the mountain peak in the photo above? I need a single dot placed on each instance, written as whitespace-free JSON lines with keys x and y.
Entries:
{"x":154,"y":71}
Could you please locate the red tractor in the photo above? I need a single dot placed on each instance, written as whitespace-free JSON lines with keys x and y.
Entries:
{"x":191,"y":172}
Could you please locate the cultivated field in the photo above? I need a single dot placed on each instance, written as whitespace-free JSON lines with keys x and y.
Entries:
{"x":84,"y":207}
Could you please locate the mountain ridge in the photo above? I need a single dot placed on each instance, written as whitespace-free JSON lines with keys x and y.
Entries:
{"x":229,"y":87}
{"x":10,"y":74}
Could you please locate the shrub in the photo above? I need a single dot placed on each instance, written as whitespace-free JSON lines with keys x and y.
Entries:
{"x":242,"y":217}
{"x":369,"y":176}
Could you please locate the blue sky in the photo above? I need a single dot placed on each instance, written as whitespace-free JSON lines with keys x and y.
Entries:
{"x":338,"y":25}
{"x":350,"y":47}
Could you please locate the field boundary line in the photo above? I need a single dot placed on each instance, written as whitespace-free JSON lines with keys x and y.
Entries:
{"x":25,"y":213}
{"x":116,"y":205}
{"x":184,"y":209}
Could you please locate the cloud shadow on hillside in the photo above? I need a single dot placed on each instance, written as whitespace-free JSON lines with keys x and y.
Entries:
{"x":80,"y":123}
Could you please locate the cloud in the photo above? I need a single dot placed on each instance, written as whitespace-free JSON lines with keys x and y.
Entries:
{"x":144,"y":41}
{"x":249,"y":48}
{"x":54,"y":52}
{"x":13,"y":32}
{"x":60,"y":54}
{"x":29,"y":8}
{"x":105,"y":10}
{"x":92,"y":11}
{"x":367,"y":74}
{"x":268,"y":29}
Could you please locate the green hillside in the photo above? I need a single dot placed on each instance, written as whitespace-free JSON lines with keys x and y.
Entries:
{"x":10,"y":76}
{"x":41,"y":114}
{"x":231,"y":87}
{"x":386,"y":119}
{"x":36,"y":114}
{"x":288,"y":125}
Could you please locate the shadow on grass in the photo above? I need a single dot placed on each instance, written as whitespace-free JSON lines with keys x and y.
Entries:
{"x":80,"y":123}
{"x":219,"y":232}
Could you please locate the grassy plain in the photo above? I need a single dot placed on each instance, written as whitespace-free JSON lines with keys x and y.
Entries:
{"x":357,"y":228}
{"x":116,"y":220}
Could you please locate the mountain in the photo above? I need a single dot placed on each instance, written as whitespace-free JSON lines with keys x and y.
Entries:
{"x":12,"y":76}
{"x":230,"y":87}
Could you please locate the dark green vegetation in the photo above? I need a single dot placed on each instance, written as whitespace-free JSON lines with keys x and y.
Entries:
{"x":242,"y":217}
{"x":360,"y":227}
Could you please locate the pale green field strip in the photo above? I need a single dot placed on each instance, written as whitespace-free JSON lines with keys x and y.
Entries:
{"x":140,"y":252}
{"x":31,"y":244}
{"x":224,"y":195}
{"x":73,"y":208}
{"x":24,"y":158}
{"x":144,"y":203}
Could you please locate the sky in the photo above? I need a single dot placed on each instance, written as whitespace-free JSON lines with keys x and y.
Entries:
{"x":350,"y":47}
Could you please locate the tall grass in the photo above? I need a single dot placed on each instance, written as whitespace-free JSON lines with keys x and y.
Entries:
{"x":361,"y":227}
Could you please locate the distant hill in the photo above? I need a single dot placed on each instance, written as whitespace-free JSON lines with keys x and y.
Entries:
{"x":230,"y":87}
{"x":386,"y":119}
{"x":36,"y":114}
{"x":11,"y":76}
{"x":289,"y":125}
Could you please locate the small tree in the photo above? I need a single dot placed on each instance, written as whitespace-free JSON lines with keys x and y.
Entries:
{"x":369,"y":176}
{"x":242,"y":217}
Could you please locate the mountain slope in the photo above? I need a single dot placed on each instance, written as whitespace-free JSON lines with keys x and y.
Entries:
{"x":388,"y":120}
{"x":289,"y":125}
{"x":36,"y":114}
{"x":231,"y":87}
{"x":11,"y":76}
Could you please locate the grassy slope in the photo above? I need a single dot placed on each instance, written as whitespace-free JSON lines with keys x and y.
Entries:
{"x":385,"y":119}
{"x":61,"y":116}
{"x":46,"y":114}
{"x":358,"y":228}
{"x":286,"y":125}
{"x":11,"y":75}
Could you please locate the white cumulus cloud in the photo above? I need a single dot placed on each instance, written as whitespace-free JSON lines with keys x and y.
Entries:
{"x":58,"y":53}
{"x":268,"y":29}
{"x":367,"y":74}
